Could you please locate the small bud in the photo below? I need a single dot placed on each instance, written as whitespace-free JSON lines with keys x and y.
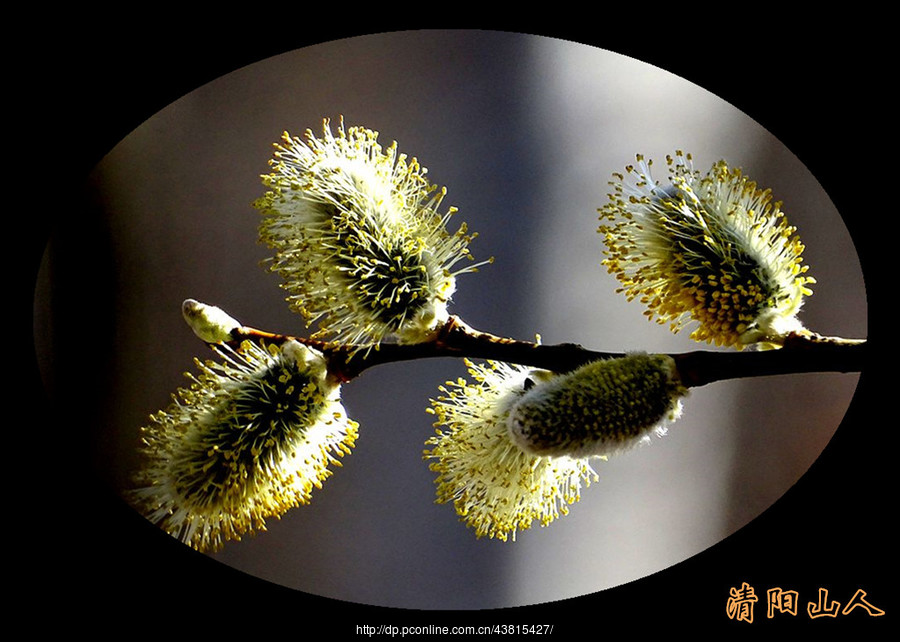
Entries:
{"x":208,"y":322}
{"x":601,"y":408}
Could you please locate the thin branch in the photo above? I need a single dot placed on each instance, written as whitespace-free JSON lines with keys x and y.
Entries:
{"x":801,"y":353}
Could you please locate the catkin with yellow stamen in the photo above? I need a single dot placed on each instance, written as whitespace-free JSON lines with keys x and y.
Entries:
{"x":358,"y":239}
{"x":497,"y":488}
{"x":711,"y":249}
{"x":250,"y":438}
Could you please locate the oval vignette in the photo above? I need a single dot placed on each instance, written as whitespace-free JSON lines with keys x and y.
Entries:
{"x":524,"y":131}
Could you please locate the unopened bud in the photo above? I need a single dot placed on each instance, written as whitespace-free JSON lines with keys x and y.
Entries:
{"x":208,"y":322}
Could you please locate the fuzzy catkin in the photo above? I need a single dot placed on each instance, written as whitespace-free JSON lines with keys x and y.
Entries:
{"x":358,"y":238}
{"x":603,"y":407}
{"x":713,"y":250}
{"x":250,"y":438}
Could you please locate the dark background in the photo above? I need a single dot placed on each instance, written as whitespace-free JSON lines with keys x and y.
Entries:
{"x":829,"y":530}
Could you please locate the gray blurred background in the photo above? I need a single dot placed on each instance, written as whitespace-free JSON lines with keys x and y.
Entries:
{"x":525,"y":132}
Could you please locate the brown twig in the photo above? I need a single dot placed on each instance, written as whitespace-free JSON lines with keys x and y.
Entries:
{"x":801,"y":353}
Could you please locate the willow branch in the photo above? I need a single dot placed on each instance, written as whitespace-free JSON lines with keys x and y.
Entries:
{"x":800,"y":353}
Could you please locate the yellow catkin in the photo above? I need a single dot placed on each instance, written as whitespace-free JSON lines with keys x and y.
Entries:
{"x":248,"y":440}
{"x":712,"y":250}
{"x":497,"y":488}
{"x":357,"y":236}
